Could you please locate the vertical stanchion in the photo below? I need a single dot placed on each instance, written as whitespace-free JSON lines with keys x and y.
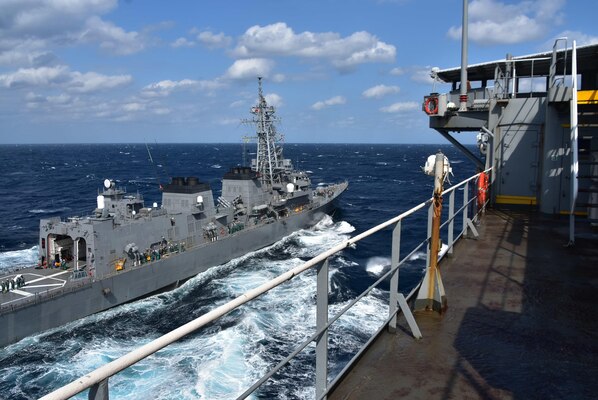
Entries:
{"x":430,"y":215}
{"x":451,"y":225}
{"x":99,"y":391}
{"x":321,"y":321}
{"x":431,"y":295}
{"x":465,"y":207}
{"x":394,"y":277}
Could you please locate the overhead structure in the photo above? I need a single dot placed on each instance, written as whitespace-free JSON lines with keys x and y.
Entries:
{"x":536,"y":119}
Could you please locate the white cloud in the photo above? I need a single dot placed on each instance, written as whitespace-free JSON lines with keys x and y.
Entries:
{"x":62,"y":98}
{"x":166,"y":87}
{"x":237,"y":103}
{"x":397,"y":71}
{"x":162,"y":111}
{"x":343,"y":52}
{"x":111,"y":37}
{"x":93,"y":82}
{"x":380,"y":91}
{"x":250,"y":68}
{"x":330,"y":102}
{"x":43,"y":76}
{"x":61,"y":77}
{"x":214,"y":40}
{"x":497,"y":22}
{"x":133,"y":107}
{"x":33,"y":28}
{"x":401,"y":107}
{"x":182,"y":42}
{"x":274,"y":99}
{"x":581,"y":39}
{"x":422,"y":75}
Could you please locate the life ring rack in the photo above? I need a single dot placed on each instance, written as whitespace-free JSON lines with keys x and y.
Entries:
{"x":431,"y":105}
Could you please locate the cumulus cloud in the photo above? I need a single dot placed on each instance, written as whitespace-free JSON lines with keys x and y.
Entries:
{"x":111,"y":37}
{"x":166,"y":87}
{"x":274,"y":99}
{"x":182,"y":42}
{"x":397,"y":71}
{"x":250,"y":68}
{"x":62,"y":77}
{"x":30,"y":29}
{"x":214,"y":40}
{"x":401,"y":107}
{"x":496,"y":22}
{"x":380,"y":91}
{"x":330,"y":102}
{"x":343,"y":52}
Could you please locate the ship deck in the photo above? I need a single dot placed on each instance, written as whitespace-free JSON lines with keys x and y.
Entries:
{"x":522,"y":322}
{"x":37,"y":281}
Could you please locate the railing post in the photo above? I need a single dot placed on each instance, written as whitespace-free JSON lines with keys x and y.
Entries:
{"x":451,"y":225}
{"x":394,"y":277}
{"x":321,"y":321}
{"x":99,"y":391}
{"x":465,"y":207}
{"x":429,"y":237}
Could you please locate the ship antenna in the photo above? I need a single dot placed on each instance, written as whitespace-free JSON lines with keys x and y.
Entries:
{"x":149,"y":153}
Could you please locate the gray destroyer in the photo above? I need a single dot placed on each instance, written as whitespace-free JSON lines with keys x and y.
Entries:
{"x":127,"y":250}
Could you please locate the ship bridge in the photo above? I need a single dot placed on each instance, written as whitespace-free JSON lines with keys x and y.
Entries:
{"x":525,"y":109}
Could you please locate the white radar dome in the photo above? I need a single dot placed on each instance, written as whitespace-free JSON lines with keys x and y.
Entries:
{"x":107,"y":183}
{"x":290,"y":187}
{"x":199,"y":199}
{"x":101,"y":202}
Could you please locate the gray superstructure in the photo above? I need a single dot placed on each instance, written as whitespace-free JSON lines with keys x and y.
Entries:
{"x":126,"y":250}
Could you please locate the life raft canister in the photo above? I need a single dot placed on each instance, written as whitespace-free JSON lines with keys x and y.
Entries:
{"x":482,"y":189}
{"x":431,"y":105}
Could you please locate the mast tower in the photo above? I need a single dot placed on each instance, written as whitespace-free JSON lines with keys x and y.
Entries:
{"x":269,"y":160}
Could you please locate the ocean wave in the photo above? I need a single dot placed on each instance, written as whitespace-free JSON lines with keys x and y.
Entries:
{"x":235,"y":350}
{"x":18,"y":258}
{"x":375,"y":265}
{"x":49,"y":211}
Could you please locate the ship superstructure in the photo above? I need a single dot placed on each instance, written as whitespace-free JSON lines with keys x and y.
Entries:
{"x":127,"y":249}
{"x":536,"y":119}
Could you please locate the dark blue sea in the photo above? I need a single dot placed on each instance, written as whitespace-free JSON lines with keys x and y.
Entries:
{"x":223,"y":359}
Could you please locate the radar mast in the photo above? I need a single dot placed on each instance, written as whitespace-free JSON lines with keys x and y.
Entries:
{"x":269,"y":161}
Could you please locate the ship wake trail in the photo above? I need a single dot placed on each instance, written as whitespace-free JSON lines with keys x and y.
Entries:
{"x":221,"y":360}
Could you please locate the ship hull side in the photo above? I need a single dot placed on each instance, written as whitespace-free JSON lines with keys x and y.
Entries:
{"x":139,"y":282}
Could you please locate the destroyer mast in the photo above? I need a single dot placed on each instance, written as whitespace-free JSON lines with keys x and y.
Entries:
{"x":269,"y":161}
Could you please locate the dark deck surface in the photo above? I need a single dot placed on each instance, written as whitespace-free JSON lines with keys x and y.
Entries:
{"x":522,"y":322}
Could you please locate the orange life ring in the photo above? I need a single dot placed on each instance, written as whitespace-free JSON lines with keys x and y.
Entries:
{"x":431,"y":105}
{"x":222,"y":231}
{"x":482,"y":189}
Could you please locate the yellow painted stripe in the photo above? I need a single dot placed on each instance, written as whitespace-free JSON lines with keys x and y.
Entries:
{"x":578,"y":213}
{"x":505,"y":199}
{"x":587,"y":97}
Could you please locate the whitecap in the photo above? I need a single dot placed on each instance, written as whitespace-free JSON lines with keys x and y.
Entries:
{"x":18,"y":258}
{"x":375,"y":265}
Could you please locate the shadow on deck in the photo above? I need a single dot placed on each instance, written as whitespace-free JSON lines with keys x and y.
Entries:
{"x":522,"y":322}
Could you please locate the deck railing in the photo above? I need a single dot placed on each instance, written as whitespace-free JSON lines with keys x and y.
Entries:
{"x":97,"y":380}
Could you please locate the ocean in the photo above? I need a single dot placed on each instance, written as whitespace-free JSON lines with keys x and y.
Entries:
{"x":221,"y":360}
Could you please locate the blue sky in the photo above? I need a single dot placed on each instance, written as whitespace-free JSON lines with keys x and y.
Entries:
{"x":185,"y":71}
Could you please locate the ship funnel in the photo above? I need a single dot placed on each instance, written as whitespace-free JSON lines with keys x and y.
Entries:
{"x":101,"y":202}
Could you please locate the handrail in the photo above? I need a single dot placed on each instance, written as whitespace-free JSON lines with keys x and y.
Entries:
{"x":104,"y":372}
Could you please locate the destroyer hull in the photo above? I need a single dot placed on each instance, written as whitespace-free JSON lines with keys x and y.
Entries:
{"x":78,"y":300}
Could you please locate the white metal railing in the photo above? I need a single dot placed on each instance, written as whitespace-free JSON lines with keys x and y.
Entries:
{"x":97,"y":380}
